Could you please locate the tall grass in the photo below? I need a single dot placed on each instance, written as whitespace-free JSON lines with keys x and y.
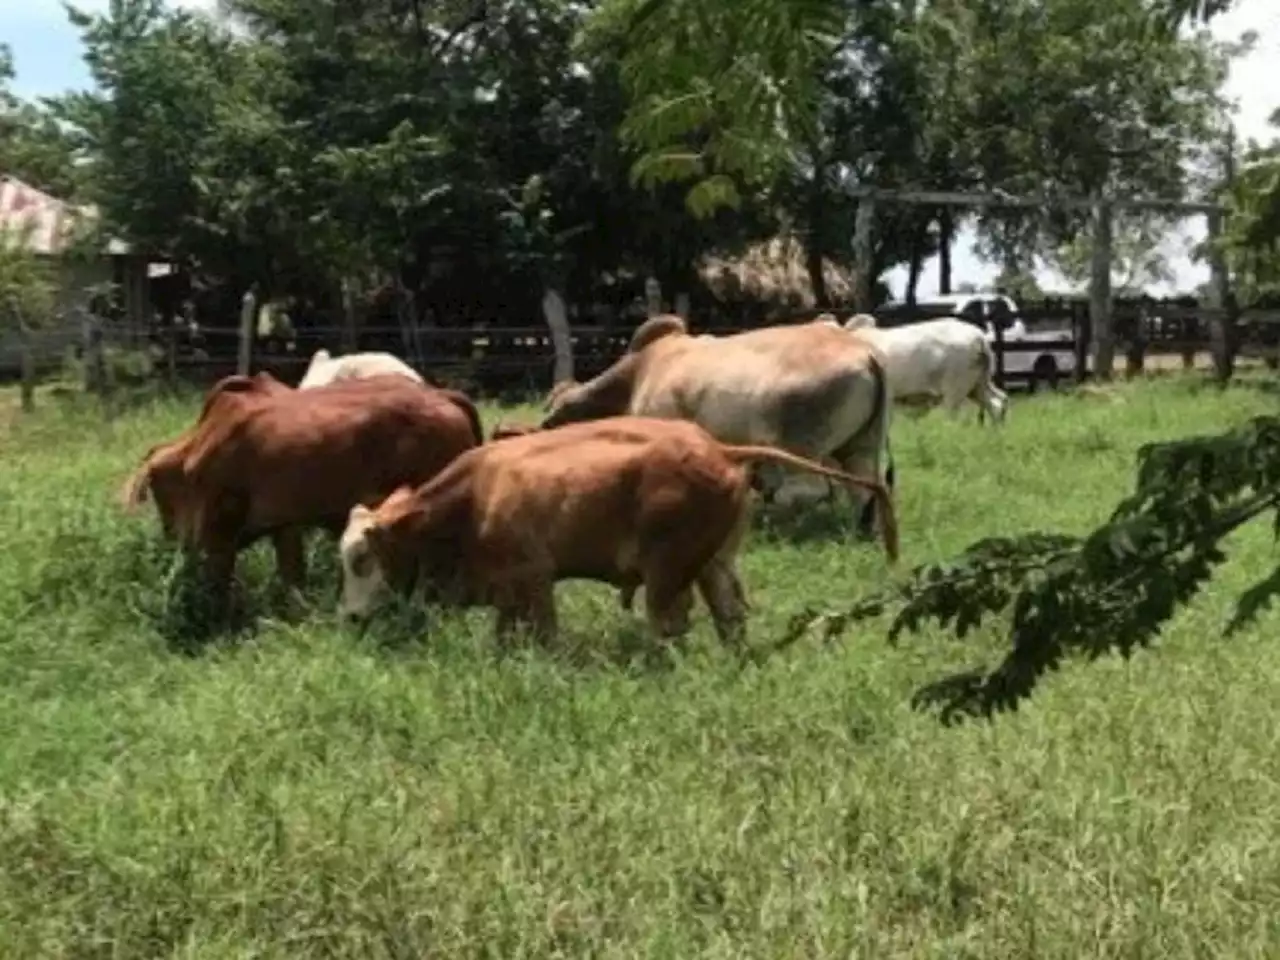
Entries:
{"x":300,"y":789}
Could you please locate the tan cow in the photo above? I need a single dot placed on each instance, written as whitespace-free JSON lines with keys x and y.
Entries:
{"x":627,"y":501}
{"x":808,"y":388}
{"x":266,"y":462}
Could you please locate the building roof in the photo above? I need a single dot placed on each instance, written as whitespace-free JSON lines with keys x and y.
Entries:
{"x":773,"y":270}
{"x":50,"y":219}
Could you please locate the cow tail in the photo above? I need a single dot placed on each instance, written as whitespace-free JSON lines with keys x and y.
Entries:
{"x":882,"y":413}
{"x":467,"y":406}
{"x":135,"y":490}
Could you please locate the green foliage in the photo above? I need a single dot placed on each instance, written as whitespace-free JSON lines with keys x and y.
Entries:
{"x":740,"y":81}
{"x":27,"y":284}
{"x":1111,"y":591}
{"x":33,"y":146}
{"x":1138,"y":257}
{"x":1251,"y":240}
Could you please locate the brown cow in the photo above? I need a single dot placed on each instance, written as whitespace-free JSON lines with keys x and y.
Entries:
{"x":268,"y":462}
{"x":162,"y":463}
{"x":623,"y":500}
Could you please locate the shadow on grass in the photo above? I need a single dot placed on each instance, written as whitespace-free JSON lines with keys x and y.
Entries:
{"x":807,"y":521}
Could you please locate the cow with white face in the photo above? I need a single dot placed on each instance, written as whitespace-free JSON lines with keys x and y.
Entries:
{"x":947,"y":359}
{"x":325,"y":368}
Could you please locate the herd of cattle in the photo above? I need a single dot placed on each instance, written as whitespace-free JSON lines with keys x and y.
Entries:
{"x":640,"y":477}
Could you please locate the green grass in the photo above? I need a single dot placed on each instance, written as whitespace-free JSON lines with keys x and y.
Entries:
{"x":303,"y":790}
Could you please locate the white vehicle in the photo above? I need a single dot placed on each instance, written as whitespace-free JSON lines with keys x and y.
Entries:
{"x":1041,"y":368}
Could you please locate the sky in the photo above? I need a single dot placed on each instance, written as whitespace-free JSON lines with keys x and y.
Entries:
{"x":47,"y":56}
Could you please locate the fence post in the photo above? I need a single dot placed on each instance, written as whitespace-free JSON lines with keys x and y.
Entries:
{"x":171,"y":350}
{"x":1104,"y":344}
{"x":653,"y":296}
{"x":350,"y":337}
{"x":95,"y":367}
{"x":556,"y":315}
{"x":244,"y":359}
{"x":999,"y":351}
{"x":28,"y":359}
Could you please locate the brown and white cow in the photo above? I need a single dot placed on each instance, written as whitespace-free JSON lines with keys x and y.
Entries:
{"x":809,"y":388}
{"x":267,"y":462}
{"x":627,"y":501}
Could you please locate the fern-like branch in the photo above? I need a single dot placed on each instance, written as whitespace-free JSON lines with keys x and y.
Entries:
{"x":1111,"y":591}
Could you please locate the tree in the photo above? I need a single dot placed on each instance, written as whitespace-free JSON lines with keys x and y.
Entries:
{"x":28,"y":296}
{"x":1138,"y":254}
{"x":33,"y":147}
{"x":1252,"y":240}
{"x":1109,"y":591}
{"x":722,"y":91}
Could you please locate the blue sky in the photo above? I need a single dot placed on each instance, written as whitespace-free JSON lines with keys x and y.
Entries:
{"x":47,"y":53}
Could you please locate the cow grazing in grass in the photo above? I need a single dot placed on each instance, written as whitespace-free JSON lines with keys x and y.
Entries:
{"x":325,"y":369}
{"x":628,"y":501}
{"x":808,"y":388}
{"x":267,"y":461}
{"x":947,"y":359}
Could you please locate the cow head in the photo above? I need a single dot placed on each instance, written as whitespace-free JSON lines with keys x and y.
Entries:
{"x":372,"y":562}
{"x":363,"y":579}
{"x":608,"y":395}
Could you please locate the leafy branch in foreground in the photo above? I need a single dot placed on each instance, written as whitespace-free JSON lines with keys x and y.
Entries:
{"x":1112,"y":590}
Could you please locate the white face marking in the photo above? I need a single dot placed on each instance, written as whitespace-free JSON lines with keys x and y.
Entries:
{"x":362,"y":577}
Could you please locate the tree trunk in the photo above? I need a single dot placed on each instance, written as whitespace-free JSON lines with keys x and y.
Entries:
{"x":557,"y":317}
{"x":918,"y":237}
{"x":1104,"y":344}
{"x":946,"y":231}
{"x":817,"y":281}
{"x":864,"y":252}
{"x":1222,"y":326}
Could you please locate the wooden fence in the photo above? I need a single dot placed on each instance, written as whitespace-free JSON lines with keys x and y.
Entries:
{"x":508,"y":360}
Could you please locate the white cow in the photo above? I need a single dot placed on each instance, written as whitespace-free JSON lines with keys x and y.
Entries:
{"x":946,"y":358}
{"x":325,"y":369}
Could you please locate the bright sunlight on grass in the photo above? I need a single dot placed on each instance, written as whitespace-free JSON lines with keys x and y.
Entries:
{"x":306,"y":790}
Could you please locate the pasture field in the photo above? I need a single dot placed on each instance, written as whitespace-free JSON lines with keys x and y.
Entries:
{"x":303,"y":789}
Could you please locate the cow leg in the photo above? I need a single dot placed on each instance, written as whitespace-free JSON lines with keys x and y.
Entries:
{"x":667,"y":609}
{"x":291,"y":557}
{"x":722,"y":592}
{"x":219,"y":571}
{"x":997,"y":401}
{"x":528,"y":604}
{"x":291,"y":565}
